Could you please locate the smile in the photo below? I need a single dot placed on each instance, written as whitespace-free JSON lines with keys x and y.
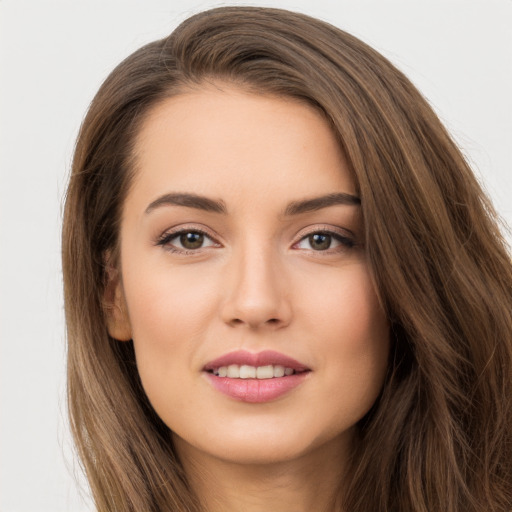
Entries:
{"x":234,"y":371}
{"x":255,"y":378}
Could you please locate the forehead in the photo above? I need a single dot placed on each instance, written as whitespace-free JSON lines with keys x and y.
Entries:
{"x":228,"y":142}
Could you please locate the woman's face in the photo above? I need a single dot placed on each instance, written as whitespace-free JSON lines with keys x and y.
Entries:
{"x":257,"y":331}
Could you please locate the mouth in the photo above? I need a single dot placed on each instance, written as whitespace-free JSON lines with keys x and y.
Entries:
{"x":245,"y":371}
{"x":255,"y":378}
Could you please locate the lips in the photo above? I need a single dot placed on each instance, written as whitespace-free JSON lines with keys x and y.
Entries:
{"x":267,"y":357}
{"x":255,"y":377}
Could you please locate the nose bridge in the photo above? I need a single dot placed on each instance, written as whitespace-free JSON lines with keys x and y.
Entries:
{"x":256,"y":295}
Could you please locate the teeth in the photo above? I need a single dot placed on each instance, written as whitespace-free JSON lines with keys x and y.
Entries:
{"x":234,"y":371}
{"x":247,"y":372}
{"x":265,"y":372}
{"x":279,"y":371}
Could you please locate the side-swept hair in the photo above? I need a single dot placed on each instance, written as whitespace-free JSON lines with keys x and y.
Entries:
{"x":439,"y":438}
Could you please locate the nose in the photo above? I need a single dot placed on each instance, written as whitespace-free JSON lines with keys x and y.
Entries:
{"x":257,"y":295}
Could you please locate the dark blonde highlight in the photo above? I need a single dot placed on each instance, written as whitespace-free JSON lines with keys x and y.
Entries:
{"x":440,"y":436}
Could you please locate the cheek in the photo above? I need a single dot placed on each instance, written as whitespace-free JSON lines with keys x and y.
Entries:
{"x":165,"y":302}
{"x":348,"y":310}
{"x":353,"y":335}
{"x":170,"y":314}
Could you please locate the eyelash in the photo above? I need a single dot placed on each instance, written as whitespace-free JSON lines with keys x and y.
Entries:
{"x":346,"y":243}
{"x":166,"y":238}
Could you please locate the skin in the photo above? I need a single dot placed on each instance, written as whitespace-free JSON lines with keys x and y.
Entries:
{"x":257,"y":283}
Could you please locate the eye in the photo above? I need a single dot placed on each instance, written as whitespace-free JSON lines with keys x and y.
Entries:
{"x":324,"y":240}
{"x":186,"y":240}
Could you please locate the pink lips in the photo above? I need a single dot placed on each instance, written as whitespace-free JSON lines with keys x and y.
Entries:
{"x":260,"y":359}
{"x":256,"y":390}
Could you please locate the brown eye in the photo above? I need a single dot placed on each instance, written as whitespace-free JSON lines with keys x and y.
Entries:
{"x":325,"y":241}
{"x":320,"y":241}
{"x":191,"y":240}
{"x":186,"y":240}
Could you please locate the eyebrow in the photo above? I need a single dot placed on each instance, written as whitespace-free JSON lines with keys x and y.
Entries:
{"x":218,"y":206}
{"x":317,"y":203}
{"x":190,"y":201}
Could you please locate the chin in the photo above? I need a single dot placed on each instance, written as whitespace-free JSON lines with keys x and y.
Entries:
{"x":266,"y":444}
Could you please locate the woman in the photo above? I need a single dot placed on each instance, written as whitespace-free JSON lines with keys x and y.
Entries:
{"x":284,"y":287}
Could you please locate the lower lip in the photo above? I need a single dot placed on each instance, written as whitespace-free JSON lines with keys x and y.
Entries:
{"x":256,"y":390}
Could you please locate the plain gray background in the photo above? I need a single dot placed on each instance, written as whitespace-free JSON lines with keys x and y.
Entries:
{"x":53,"y":57}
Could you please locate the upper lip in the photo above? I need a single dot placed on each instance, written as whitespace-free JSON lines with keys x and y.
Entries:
{"x":264,"y":358}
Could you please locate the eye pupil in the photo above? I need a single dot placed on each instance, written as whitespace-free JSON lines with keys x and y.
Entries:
{"x":320,"y":241}
{"x":192,"y":240}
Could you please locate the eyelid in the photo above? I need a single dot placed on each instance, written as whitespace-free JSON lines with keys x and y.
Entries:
{"x":345,"y":237}
{"x":341,"y":234}
{"x":175,"y":231}
{"x":325,"y":228}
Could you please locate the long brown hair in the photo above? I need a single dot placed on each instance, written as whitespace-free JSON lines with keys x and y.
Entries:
{"x":439,"y":438}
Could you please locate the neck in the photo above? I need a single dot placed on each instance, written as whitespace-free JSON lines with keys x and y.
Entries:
{"x":310,"y":482}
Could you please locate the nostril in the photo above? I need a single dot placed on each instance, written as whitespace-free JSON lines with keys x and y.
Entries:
{"x":270,"y":321}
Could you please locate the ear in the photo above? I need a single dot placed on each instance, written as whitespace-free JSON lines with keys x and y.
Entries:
{"x":114,"y":303}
